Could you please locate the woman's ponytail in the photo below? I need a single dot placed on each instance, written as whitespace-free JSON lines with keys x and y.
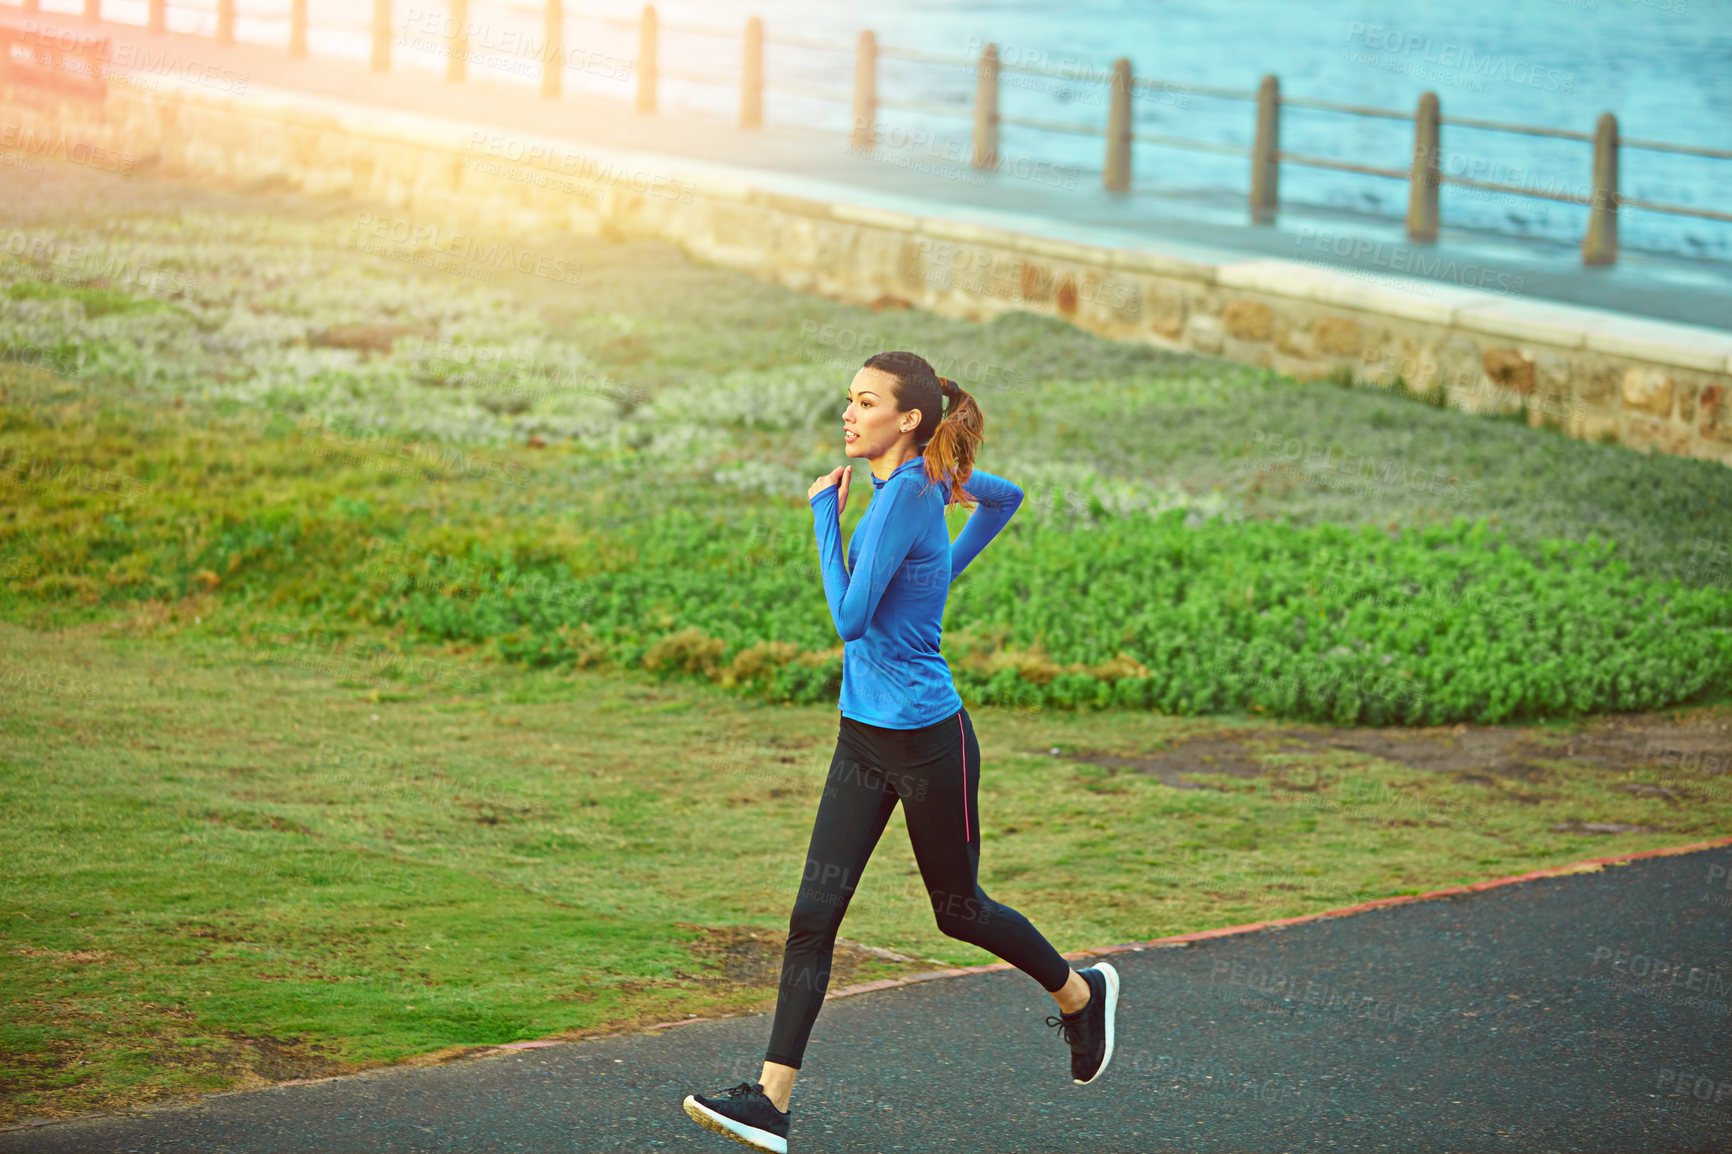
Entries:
{"x":951,"y":451}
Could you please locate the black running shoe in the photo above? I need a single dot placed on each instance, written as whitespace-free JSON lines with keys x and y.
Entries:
{"x":744,"y":1114}
{"x":1090,"y":1030}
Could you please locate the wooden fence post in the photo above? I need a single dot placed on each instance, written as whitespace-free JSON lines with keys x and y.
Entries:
{"x":1265,"y":166}
{"x":381,"y":61}
{"x":866,"y":91}
{"x":1116,"y":173}
{"x":1422,"y":183}
{"x":553,"y":55}
{"x":457,"y":54}
{"x":646,"y":60}
{"x":298,"y":29}
{"x":986,"y":109}
{"x":158,"y":20}
{"x":1600,"y":243}
{"x":225,"y":29}
{"x":752,"y":76}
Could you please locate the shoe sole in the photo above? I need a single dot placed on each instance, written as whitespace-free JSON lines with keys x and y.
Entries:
{"x":1112,"y":977}
{"x":740,"y":1132}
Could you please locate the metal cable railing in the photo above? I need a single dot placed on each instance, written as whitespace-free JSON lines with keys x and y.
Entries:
{"x":1119,"y":133}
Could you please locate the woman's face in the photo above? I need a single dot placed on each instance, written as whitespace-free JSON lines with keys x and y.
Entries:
{"x":871,"y":426}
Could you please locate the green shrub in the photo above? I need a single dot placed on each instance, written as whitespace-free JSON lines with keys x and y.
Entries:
{"x":1189,"y":542}
{"x":1431,"y":626}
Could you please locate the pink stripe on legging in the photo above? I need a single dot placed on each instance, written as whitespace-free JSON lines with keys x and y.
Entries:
{"x":964,"y":733}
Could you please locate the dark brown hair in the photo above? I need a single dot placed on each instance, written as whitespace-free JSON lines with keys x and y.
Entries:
{"x":952,"y":435}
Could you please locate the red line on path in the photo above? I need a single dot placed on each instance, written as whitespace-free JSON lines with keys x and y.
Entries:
{"x":1225,"y":931}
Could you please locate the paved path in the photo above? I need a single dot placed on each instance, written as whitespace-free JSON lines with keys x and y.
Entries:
{"x":922,"y":181}
{"x":1579,"y":1013}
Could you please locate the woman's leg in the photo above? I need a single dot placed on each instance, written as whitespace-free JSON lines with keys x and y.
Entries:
{"x":940,"y":789}
{"x":851,"y":817}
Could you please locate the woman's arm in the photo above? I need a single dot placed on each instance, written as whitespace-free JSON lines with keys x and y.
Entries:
{"x":889,"y":535}
{"x":999,"y":498}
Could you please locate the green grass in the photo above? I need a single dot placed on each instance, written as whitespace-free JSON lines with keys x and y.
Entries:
{"x":96,"y":302}
{"x":353,"y":728}
{"x":571,"y":555}
{"x":222,"y":862}
{"x":686,"y":372}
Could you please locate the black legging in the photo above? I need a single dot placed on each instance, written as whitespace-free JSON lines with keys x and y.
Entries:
{"x":935,"y":773}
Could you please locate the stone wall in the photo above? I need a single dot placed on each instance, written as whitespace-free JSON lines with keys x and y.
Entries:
{"x":1595,"y":375}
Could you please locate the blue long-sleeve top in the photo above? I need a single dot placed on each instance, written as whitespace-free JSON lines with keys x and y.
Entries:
{"x":888,"y":601}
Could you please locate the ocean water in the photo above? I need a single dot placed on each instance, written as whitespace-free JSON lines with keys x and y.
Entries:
{"x":1663,"y":67}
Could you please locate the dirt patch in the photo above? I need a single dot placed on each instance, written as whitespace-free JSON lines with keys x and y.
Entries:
{"x":83,"y":957}
{"x":1233,"y":755}
{"x":283,"y":1059}
{"x":367,"y":338}
{"x":1694,"y":747}
{"x":1463,"y":750}
{"x":1697,"y":747}
{"x":749,"y":956}
{"x":1604,"y":827}
{"x":251,"y":1062}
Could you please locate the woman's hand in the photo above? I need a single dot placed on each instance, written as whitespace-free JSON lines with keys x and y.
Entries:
{"x":839,"y":477}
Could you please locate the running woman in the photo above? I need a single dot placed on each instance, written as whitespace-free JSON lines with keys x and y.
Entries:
{"x":904,"y":735}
